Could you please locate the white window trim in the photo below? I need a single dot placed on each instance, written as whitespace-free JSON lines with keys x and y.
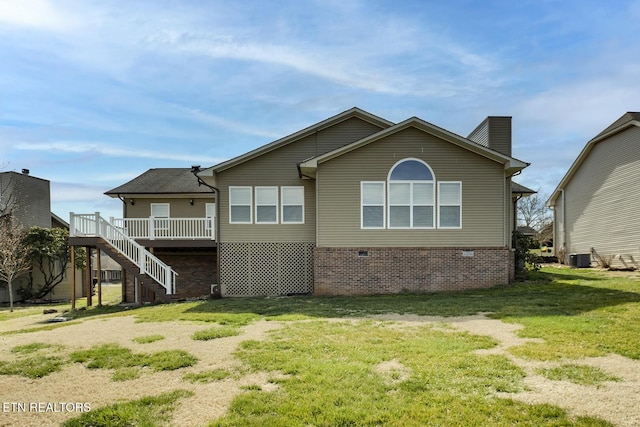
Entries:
{"x":459,"y":205}
{"x":362,"y":205}
{"x":282,"y":204}
{"x":160,"y":225}
{"x":231,"y":188}
{"x":210,"y":219}
{"x":276,"y":204}
{"x":411,"y":204}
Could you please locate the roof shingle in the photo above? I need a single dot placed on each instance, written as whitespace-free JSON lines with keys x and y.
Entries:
{"x":161,"y":181}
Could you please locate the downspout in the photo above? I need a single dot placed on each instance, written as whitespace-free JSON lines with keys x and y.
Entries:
{"x":124,"y":205}
{"x":194,"y":170}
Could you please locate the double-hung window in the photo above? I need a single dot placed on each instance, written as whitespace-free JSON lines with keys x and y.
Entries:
{"x":449,"y":204}
{"x":411,"y":195}
{"x":160,"y":213}
{"x":292,"y":205}
{"x":240,"y":202}
{"x":266,"y":205}
{"x":372,"y":197}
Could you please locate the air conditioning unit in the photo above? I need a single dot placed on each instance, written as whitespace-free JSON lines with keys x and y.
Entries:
{"x":580,"y":260}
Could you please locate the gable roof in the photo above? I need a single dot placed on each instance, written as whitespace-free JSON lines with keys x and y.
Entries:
{"x":354,"y":112}
{"x":512,"y":165}
{"x":161,"y":181}
{"x":627,"y":120}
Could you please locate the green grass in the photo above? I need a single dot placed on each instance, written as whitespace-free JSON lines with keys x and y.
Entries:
{"x":207,"y":376}
{"x":32,"y":348}
{"x":578,"y":374}
{"x":328,"y":372}
{"x":113,"y":356}
{"x":147,"y":339}
{"x":126,"y":373}
{"x":332,"y":378}
{"x":37,"y":366}
{"x":35,"y":360}
{"x":146,"y":412}
{"x":215,"y":332}
{"x":111,"y":296}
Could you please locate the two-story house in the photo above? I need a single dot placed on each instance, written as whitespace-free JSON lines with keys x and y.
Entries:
{"x":28,"y":199}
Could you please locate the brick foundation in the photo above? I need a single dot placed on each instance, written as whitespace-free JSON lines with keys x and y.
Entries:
{"x":196,"y":273}
{"x":381,"y":270}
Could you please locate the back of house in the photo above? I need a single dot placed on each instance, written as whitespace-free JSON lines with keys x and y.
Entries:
{"x":352,"y":205}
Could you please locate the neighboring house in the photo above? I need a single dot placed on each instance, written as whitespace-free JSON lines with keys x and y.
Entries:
{"x":28,"y":199}
{"x":110,"y":270}
{"x":595,"y":205}
{"x":352,"y":205}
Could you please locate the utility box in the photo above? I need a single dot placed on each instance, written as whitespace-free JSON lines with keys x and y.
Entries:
{"x":580,"y":260}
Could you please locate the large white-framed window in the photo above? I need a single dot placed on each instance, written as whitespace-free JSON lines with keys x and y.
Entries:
{"x":266,"y":205}
{"x":292,"y":205}
{"x":411,"y":190}
{"x":372,"y":204}
{"x":240,"y":203}
{"x":159,"y":213}
{"x":449,"y":204}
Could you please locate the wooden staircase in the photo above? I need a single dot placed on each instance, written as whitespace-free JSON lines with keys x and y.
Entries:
{"x":133,"y":270}
{"x":150,"y":271}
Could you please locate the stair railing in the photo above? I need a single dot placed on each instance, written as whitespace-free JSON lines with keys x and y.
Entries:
{"x":93,"y":225}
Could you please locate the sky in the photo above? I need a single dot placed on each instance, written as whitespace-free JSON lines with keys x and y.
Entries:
{"x":94,"y":93}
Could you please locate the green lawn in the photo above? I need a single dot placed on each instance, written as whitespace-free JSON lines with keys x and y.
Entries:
{"x":329,"y":373}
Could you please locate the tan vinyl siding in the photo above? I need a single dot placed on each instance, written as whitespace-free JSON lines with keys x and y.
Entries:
{"x":484,"y":200}
{"x":279,"y":168}
{"x":178,"y":207}
{"x":602,"y":207}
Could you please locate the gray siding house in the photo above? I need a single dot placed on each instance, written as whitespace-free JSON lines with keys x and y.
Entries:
{"x":595,"y":207}
{"x":352,"y":205}
{"x":28,"y":199}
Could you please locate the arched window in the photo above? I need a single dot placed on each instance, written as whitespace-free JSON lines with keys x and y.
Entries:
{"x":407,"y":199}
{"x":411,"y":189}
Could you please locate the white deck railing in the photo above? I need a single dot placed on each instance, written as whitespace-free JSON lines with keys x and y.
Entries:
{"x":93,"y":225}
{"x":167,"y":228}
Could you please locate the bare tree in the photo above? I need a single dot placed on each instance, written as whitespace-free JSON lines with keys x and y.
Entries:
{"x":15,"y":257}
{"x":532,"y":212}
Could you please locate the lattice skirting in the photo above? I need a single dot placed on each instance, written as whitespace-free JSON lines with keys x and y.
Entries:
{"x":266,"y":269}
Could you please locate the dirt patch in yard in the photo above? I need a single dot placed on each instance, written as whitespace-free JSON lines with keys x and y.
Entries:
{"x":77,"y":384}
{"x":617,"y":402}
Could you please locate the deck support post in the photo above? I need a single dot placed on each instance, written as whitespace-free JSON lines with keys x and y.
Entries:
{"x":73,"y":278}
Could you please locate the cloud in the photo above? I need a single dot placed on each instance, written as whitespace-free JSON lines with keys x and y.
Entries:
{"x":113,"y":151}
{"x":394,"y":67}
{"x":582,"y":108}
{"x":39,"y":14}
